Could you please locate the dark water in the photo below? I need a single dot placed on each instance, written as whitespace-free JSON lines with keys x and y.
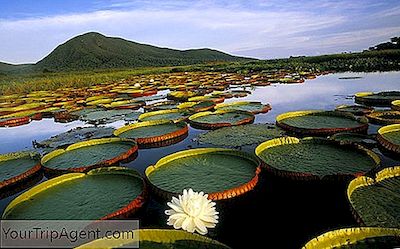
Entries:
{"x":294,"y":212}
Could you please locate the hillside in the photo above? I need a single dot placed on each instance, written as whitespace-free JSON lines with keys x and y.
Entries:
{"x":96,"y":51}
{"x":6,"y":68}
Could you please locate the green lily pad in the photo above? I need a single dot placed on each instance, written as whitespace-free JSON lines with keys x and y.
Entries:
{"x":377,"y":99}
{"x":395,"y":105}
{"x":355,"y":109}
{"x":106,"y":116}
{"x":314,"y":122}
{"x":133,"y":116}
{"x":384,"y":117}
{"x":315,"y":157}
{"x":159,"y":239}
{"x":250,"y":106}
{"x":355,"y":138}
{"x":94,"y":195}
{"x":153,"y":131}
{"x":214,"y":171}
{"x":14,"y":165}
{"x":90,"y":153}
{"x":241,"y":135}
{"x":389,"y":139}
{"x":163,"y":105}
{"x":220,"y":118}
{"x":377,"y":201}
{"x":173,"y":114}
{"x":76,"y":135}
{"x":356,"y":237}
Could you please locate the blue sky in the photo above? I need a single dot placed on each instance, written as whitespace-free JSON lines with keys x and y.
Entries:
{"x":29,"y":30}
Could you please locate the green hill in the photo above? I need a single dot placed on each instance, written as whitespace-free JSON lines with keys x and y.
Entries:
{"x":96,"y":51}
{"x":6,"y":68}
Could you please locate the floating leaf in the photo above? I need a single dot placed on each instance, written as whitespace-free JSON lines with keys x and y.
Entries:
{"x":222,"y":173}
{"x":241,"y":135}
{"x":159,"y":238}
{"x":377,"y":201}
{"x":321,"y":123}
{"x":220,"y":118}
{"x":315,"y":158}
{"x":88,"y":154}
{"x":76,"y":135}
{"x":102,"y":193}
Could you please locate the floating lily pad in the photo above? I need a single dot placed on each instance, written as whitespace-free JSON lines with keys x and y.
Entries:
{"x":150,"y":132}
{"x":220,"y":118}
{"x":322,"y":123}
{"x":355,"y":138}
{"x":159,"y":239}
{"x":173,"y":114}
{"x":76,"y":135}
{"x":377,"y":201}
{"x":102,"y":193}
{"x":222,"y":173}
{"x":355,"y":109}
{"x":357,"y":237}
{"x":384,"y":117}
{"x":241,"y":135}
{"x":88,"y":154}
{"x":133,"y":116}
{"x":200,"y":106}
{"x":181,"y":95}
{"x":377,"y":99}
{"x":315,"y":158}
{"x":105,"y":116}
{"x":253,"y":107}
{"x":18,"y":167}
{"x":163,"y":105}
{"x":396,"y":105}
{"x":151,"y":98}
{"x":214,"y":99}
{"x":389,"y":139}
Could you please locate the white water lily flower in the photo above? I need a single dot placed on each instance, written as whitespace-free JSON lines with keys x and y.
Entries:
{"x":192,"y":212}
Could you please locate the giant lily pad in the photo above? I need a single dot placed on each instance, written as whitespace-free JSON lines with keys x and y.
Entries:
{"x":355,"y":138}
{"x":102,"y":193}
{"x":200,"y":106}
{"x":315,"y":158}
{"x":163,"y":105}
{"x":389,"y":139}
{"x":253,"y":107}
{"x":88,"y":154}
{"x":76,"y":135}
{"x":158,"y":239}
{"x":106,"y":116}
{"x":357,"y":237}
{"x":241,"y":135}
{"x":222,"y":173}
{"x":377,"y":201}
{"x":377,"y":99}
{"x":355,"y":109}
{"x":220,"y":118}
{"x":321,"y":123}
{"x":150,"y":132}
{"x":384,"y":117}
{"x":18,"y":167}
{"x":396,"y":105}
{"x":173,"y":114}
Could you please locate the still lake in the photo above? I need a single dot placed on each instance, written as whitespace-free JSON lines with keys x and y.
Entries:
{"x":324,"y":92}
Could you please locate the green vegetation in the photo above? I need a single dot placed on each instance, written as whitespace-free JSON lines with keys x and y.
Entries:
{"x":92,"y":59}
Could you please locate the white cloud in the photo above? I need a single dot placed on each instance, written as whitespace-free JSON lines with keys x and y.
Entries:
{"x":205,"y":24}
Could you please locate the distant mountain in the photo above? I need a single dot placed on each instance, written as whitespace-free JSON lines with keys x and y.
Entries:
{"x":6,"y":68}
{"x":96,"y":51}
